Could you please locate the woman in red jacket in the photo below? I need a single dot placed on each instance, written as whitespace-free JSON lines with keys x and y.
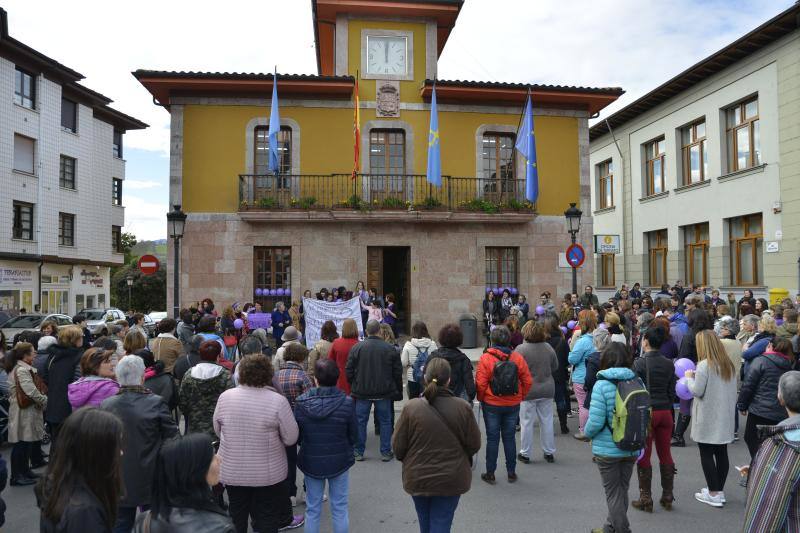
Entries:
{"x":340,"y":350}
{"x":500,"y":400}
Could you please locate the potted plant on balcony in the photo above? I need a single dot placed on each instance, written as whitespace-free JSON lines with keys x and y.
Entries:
{"x":430,"y":204}
{"x":305,"y":203}
{"x":268,"y":203}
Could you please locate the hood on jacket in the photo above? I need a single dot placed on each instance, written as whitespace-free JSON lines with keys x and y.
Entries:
{"x":421,"y":343}
{"x":790,"y":429}
{"x":205,"y":370}
{"x":451,"y":354}
{"x":499,"y":350}
{"x":787,"y":329}
{"x":82,"y":391}
{"x":779,"y":359}
{"x":616,"y":374}
{"x":678,"y":318}
{"x":320,"y":402}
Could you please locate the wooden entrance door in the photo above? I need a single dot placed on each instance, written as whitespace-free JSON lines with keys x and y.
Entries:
{"x":375,"y":269}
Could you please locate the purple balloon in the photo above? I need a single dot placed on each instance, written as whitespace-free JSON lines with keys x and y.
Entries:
{"x":259,"y":292}
{"x":682,"y":389}
{"x":287,"y":292}
{"x":682,"y":365}
{"x":539,"y":310}
{"x":238,"y":323}
{"x":571,"y":324}
{"x":564,"y":330}
{"x":514,"y":291}
{"x":279,"y":292}
{"x":272,"y":292}
{"x":498,"y":291}
{"x":489,"y":289}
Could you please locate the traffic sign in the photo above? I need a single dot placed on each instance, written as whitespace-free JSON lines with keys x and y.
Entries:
{"x":575,"y":255}
{"x":148,"y":264}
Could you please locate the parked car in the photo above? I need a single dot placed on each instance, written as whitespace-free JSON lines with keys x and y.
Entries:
{"x":98,"y":319}
{"x":158,"y":316}
{"x":149,"y":326}
{"x":28,"y":322}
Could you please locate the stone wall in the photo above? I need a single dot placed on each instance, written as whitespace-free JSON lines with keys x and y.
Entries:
{"x":447,"y":260}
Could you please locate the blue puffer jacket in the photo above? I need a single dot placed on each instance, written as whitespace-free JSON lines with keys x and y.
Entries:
{"x":601,"y":411}
{"x":327,"y":420}
{"x":583,"y":348}
{"x":758,"y":347}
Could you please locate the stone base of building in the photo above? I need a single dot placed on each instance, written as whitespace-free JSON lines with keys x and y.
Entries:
{"x":444,"y":266}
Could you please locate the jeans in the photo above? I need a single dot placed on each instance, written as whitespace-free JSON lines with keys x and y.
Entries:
{"x":616,"y":475}
{"x":21,"y":459}
{"x":500,"y":420}
{"x":383,"y":412}
{"x":661,"y":433}
{"x":714,"y":460}
{"x":269,"y":507}
{"x":541,"y":410}
{"x":580,"y":397}
{"x":126,"y":516}
{"x":337,"y":496}
{"x":435,"y":513}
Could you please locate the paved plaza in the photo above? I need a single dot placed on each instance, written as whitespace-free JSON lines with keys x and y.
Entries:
{"x":562,"y":497}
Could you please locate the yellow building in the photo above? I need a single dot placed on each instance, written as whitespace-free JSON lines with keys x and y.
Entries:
{"x":314,"y":225}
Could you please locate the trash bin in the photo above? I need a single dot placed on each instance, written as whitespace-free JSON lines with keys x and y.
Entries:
{"x":469,"y":327}
{"x":776,"y":295}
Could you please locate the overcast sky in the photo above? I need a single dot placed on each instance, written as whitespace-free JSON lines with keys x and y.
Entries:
{"x":633,"y":44}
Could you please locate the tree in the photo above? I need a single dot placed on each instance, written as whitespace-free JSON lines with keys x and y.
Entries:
{"x":128,"y":242}
{"x":148,"y":293}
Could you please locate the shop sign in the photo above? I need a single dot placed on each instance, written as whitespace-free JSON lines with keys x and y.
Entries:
{"x":92,"y":278}
{"x":16,"y":276}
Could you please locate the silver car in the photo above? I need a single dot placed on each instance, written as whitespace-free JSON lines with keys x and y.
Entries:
{"x":30,"y":322}
{"x":98,"y":320}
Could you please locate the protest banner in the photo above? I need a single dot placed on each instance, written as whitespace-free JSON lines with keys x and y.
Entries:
{"x":318,"y":311}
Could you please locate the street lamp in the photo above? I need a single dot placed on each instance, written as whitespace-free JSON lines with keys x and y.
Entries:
{"x":176,"y":220}
{"x":573,"y":215}
{"x":129,"y":280}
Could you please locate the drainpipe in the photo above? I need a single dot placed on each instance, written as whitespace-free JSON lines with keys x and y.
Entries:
{"x":622,"y":159}
{"x":39,"y":194}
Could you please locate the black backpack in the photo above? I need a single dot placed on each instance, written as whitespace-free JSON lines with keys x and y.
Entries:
{"x":505,"y":376}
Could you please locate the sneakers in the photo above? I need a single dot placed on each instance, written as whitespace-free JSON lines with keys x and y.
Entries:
{"x":580,"y":436}
{"x":524,"y":458}
{"x":549,"y":458}
{"x":358,"y":456}
{"x":705,"y":497}
{"x":22,"y":481}
{"x":386,"y":457}
{"x":489,"y":478}
{"x":297,"y":521}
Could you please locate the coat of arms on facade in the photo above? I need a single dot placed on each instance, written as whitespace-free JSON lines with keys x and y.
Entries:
{"x":387,"y":99}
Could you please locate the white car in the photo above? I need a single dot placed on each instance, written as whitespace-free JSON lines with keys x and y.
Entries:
{"x":158,"y":316}
{"x":98,"y":320}
{"x":30,"y":322}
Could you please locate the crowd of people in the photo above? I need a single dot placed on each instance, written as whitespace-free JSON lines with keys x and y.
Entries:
{"x":205,"y":427}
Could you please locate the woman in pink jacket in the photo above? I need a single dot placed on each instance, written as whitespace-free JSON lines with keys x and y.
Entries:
{"x":97,"y":383}
{"x":255,"y":424}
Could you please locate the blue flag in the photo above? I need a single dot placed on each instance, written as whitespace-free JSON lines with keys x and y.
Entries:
{"x":526,"y":144}
{"x":274,"y":129}
{"x":434,"y":174}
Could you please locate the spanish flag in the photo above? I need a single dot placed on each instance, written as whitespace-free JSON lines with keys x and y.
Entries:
{"x":356,"y":133}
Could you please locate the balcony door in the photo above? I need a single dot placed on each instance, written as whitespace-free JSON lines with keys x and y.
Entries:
{"x":267,"y":184}
{"x":499,"y":176}
{"x":387,"y":164}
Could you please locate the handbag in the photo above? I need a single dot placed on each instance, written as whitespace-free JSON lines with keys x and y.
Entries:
{"x":23,"y":400}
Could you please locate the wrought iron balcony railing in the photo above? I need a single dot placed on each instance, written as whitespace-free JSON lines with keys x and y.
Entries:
{"x":380,"y":191}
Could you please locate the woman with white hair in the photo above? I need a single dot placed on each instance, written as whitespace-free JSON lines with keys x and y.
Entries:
{"x":147,"y":424}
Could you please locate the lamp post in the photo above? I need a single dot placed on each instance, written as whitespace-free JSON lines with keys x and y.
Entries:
{"x":573,"y":215}
{"x":176,"y":219}
{"x":129,"y":280}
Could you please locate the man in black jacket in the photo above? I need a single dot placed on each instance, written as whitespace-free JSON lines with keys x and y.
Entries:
{"x":147,"y":424}
{"x":375,"y":374}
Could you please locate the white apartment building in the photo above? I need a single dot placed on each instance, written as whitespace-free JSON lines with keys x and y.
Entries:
{"x":61,"y":179}
{"x":699,"y":180}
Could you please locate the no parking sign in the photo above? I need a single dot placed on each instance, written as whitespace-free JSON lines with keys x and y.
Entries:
{"x":575,"y":255}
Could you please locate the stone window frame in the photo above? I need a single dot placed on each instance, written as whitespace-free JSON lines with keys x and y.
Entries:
{"x":519,"y":162}
{"x":250,"y":149}
{"x":409,"y":148}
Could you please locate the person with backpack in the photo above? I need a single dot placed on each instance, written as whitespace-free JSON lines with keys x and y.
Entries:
{"x":615,"y":428}
{"x":658,"y":374}
{"x":414,"y":357}
{"x":502,"y":381}
{"x":713,"y":386}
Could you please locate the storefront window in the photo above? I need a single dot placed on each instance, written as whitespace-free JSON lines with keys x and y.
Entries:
{"x":55,"y":301}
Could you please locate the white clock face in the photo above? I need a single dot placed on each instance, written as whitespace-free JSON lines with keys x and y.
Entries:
{"x":386,"y":55}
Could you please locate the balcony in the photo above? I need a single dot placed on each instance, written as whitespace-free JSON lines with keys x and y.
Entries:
{"x":382,"y":197}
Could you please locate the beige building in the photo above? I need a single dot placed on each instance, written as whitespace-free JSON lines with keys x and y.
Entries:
{"x":699,"y":180}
